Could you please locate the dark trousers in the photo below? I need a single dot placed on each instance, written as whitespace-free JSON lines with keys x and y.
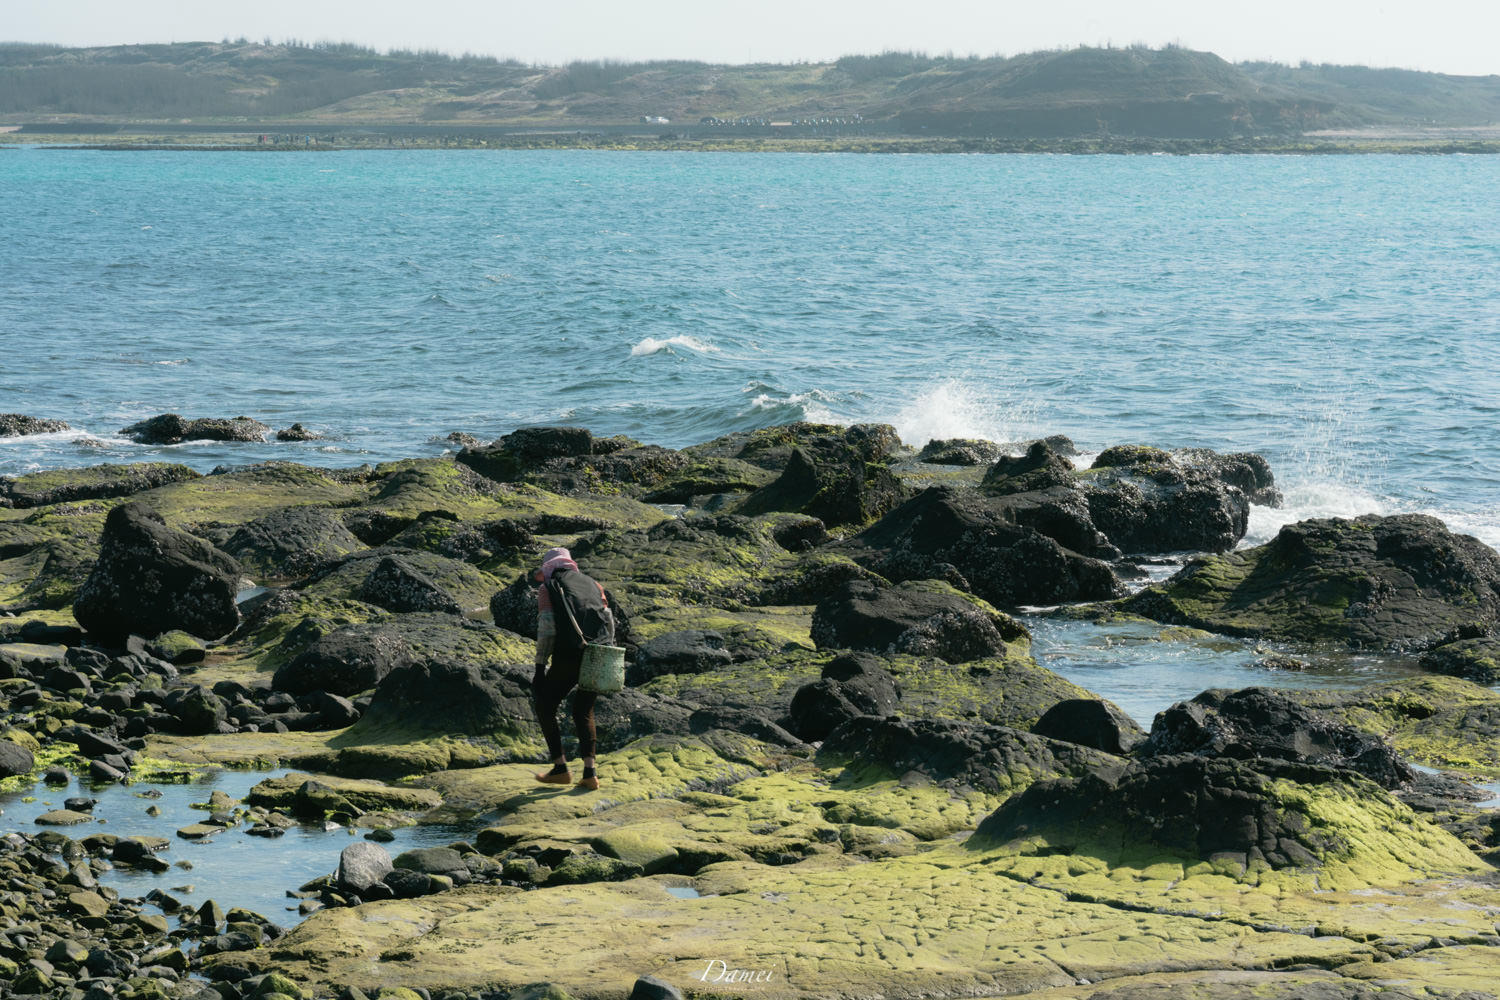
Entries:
{"x":561,"y":678}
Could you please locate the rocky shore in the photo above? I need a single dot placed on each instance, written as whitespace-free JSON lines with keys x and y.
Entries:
{"x":837,"y":769}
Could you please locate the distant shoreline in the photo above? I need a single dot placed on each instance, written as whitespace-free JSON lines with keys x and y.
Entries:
{"x":885,"y":145}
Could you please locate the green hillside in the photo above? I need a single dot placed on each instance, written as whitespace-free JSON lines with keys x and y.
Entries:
{"x":1086,"y":91}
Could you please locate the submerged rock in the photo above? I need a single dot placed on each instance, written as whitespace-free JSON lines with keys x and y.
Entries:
{"x":1398,"y":583}
{"x":151,"y":578}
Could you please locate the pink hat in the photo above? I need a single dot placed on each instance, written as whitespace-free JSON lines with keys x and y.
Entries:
{"x":553,"y":560}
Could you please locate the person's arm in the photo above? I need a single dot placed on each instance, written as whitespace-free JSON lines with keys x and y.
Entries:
{"x":546,"y":637}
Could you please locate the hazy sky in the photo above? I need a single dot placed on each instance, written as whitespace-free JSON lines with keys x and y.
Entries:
{"x":1454,"y":36}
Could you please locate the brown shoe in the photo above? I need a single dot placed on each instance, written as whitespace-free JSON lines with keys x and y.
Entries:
{"x":589,"y":784}
{"x":554,"y":778}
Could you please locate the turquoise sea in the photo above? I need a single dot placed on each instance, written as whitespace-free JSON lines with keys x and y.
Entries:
{"x":1340,"y":315}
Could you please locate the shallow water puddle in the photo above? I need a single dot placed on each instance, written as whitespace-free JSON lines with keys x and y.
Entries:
{"x":232,"y":868}
{"x":1145,"y":668}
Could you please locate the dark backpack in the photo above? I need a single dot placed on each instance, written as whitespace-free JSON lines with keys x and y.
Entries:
{"x":581,"y":614}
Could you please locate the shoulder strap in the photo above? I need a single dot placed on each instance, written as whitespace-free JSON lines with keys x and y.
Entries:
{"x":560,"y":599}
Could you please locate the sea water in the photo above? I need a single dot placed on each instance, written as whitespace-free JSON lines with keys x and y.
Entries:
{"x":1340,"y":315}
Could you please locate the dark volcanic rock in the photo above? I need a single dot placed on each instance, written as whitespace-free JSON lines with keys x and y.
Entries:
{"x":1472,"y":653}
{"x":1201,"y":805}
{"x":151,"y":578}
{"x":921,"y":618}
{"x":970,"y":541}
{"x":1398,"y":583}
{"x":959,"y":451}
{"x":346,"y":661}
{"x":992,"y":759}
{"x":14,"y":759}
{"x":1039,"y":469}
{"x":1090,"y":723}
{"x":1247,"y":472}
{"x":292,"y":542}
{"x":771,"y":447}
{"x":852,"y":685}
{"x":19,"y":424}
{"x":97,"y":482}
{"x":838,"y":485}
{"x":169,"y":428}
{"x":297,"y":432}
{"x":1062,"y":514}
{"x":1258,"y":724}
{"x":198,"y":710}
{"x":396,"y":585}
{"x":429,"y":695}
{"x":694,"y":651}
{"x":521,"y":451}
{"x":1146,"y":501}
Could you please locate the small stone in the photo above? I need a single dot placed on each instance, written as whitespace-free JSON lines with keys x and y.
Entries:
{"x":152,"y":924}
{"x":67,"y":953}
{"x":63,"y":817}
{"x":88,"y":904}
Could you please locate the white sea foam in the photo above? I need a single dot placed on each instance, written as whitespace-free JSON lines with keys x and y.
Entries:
{"x":1309,"y":500}
{"x":957,"y":409}
{"x":813,"y":405}
{"x":653,"y":345}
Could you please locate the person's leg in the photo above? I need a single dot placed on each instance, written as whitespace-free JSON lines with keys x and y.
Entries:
{"x":588,"y":739}
{"x":548,"y":699}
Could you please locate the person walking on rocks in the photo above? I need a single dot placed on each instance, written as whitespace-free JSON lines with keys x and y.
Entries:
{"x":571,"y":610}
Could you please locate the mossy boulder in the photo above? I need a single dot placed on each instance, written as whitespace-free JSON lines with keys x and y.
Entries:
{"x":1398,"y":583}
{"x":1439,"y":721}
{"x":1249,"y":813}
{"x":997,"y":760}
{"x":48,"y":553}
{"x":97,"y":482}
{"x":152,"y":579}
{"x":291,"y":543}
{"x":405,"y":580}
{"x":839,"y":488}
{"x":512,"y":456}
{"x":1472,"y":653}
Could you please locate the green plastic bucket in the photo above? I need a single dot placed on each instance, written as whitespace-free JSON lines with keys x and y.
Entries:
{"x":603,"y":670}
